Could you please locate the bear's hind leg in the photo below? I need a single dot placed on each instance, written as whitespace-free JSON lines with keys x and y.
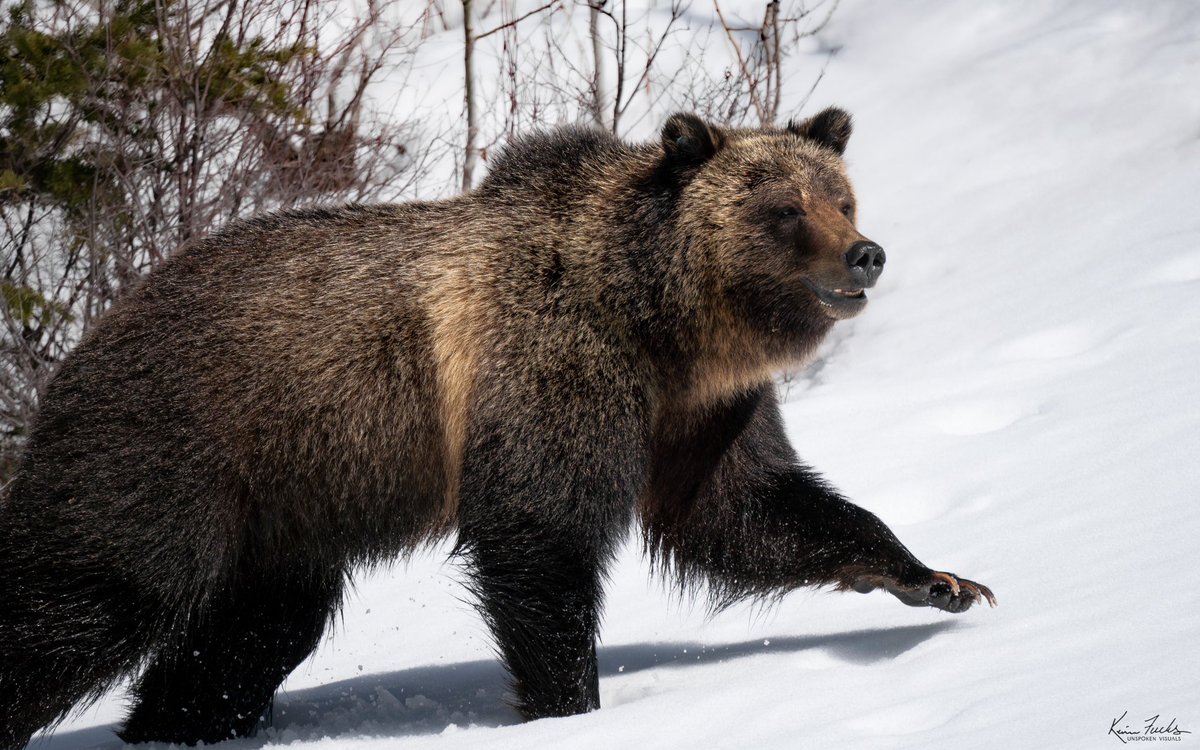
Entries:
{"x":66,"y":636}
{"x":217,"y":678}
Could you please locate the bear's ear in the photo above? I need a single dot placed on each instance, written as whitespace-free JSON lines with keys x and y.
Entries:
{"x":689,"y":141}
{"x":830,"y":128}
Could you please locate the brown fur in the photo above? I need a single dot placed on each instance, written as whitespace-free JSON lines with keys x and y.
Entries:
{"x":590,"y":333}
{"x":458,"y":326}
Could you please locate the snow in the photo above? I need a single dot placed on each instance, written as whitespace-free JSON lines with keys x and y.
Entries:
{"x":1019,"y":402}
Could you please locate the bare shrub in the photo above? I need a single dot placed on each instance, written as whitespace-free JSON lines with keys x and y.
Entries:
{"x":129,"y":129}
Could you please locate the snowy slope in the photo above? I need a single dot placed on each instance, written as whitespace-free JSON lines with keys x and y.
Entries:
{"x":1019,"y":403}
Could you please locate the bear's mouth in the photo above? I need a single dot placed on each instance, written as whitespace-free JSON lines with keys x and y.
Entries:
{"x":839,"y":302}
{"x":848,"y":292}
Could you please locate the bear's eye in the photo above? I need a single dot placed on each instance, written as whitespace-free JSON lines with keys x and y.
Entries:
{"x":847,"y":210}
{"x":790,"y":212}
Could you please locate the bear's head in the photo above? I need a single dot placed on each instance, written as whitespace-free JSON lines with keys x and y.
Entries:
{"x":773,"y":214}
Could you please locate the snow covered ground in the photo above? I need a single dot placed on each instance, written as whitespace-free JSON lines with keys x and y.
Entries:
{"x":1020,"y":402}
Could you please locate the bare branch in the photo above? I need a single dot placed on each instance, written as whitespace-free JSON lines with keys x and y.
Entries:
{"x":751,"y":80}
{"x":556,"y":4}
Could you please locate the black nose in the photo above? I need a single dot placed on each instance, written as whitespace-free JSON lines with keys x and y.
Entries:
{"x":865,"y":261}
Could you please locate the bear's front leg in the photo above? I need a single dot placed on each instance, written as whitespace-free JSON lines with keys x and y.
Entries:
{"x":731,"y":505}
{"x":551,"y":470}
{"x":539,"y":590}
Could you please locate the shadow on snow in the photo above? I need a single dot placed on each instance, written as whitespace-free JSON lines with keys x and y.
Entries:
{"x":429,"y":700}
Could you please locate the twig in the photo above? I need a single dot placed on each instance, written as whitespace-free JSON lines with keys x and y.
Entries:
{"x":751,"y":81}
{"x":516,"y":21}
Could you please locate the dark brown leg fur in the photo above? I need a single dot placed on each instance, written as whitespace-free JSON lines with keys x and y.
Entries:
{"x":731,"y":507}
{"x":548,"y":491}
{"x":215,"y":681}
{"x":68,"y":631}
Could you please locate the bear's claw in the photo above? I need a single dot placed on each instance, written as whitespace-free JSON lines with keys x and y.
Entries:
{"x":945,"y":591}
{"x":948,"y":579}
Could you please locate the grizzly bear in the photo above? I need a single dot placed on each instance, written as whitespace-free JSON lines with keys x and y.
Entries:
{"x":585,"y":341}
